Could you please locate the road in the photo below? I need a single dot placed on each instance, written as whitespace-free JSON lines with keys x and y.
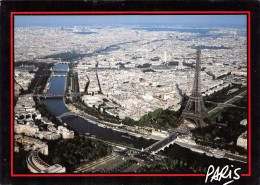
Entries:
{"x":206,"y":149}
{"x":114,"y":144}
{"x":105,"y":165}
{"x":88,"y":116}
{"x":95,"y":165}
{"x":237,"y":96}
{"x":226,"y":102}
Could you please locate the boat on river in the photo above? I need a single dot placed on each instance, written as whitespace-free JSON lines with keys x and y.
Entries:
{"x":134,"y":134}
{"x":217,"y":153}
{"x":209,"y":154}
{"x":197,"y":150}
{"x":91,"y":121}
{"x":146,"y":137}
{"x":126,"y":136}
{"x":101,"y":125}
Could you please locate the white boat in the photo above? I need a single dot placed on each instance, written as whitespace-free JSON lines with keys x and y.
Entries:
{"x":197,"y":150}
{"x":103,"y":126}
{"x":93,"y":122}
{"x":134,"y":134}
{"x":128,"y":137}
{"x":120,"y":130}
{"x":218,"y":156}
{"x":209,"y":154}
{"x":146,"y":137}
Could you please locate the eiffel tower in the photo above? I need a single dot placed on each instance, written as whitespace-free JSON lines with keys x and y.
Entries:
{"x":195,"y":109}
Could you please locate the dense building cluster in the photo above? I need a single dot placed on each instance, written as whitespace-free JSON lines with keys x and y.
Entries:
{"x":139,"y":93}
{"x":23,"y":76}
{"x":30,"y":143}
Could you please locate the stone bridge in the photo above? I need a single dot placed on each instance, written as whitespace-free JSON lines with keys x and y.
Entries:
{"x":62,"y":70}
{"x":160,"y":145}
{"x":49,"y":95}
{"x":59,"y":75}
{"x":62,"y":62}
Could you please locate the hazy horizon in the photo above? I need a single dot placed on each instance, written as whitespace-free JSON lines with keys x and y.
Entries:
{"x":124,"y":20}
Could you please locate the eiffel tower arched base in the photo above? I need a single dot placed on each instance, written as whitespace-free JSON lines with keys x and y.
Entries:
{"x":198,"y":120}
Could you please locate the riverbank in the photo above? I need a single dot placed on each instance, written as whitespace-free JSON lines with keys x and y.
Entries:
{"x":211,"y":152}
{"x":116,"y":127}
{"x":73,"y":109}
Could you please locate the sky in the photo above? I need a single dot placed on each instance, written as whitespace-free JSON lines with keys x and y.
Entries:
{"x":142,"y":20}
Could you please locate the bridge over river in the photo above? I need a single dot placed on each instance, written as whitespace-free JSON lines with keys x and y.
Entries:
{"x":49,"y":95}
{"x":67,"y":114}
{"x":160,"y":145}
{"x":60,"y":70}
{"x":59,"y":75}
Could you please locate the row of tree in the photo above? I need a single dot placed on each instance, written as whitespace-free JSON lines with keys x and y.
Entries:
{"x":40,"y":79}
{"x":67,"y":56}
{"x":161,"y":119}
{"x":45,"y":112}
{"x":115,"y":141}
{"x":222,"y":95}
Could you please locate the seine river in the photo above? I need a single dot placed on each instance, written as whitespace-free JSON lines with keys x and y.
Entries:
{"x":57,"y":107}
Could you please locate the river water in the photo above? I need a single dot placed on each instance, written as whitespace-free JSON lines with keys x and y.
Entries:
{"x":57,"y":107}
{"x":55,"y":87}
